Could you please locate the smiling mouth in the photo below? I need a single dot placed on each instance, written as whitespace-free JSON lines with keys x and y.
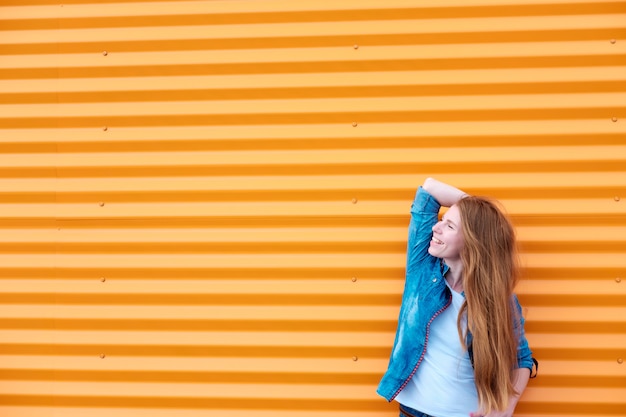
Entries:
{"x":437,"y":241}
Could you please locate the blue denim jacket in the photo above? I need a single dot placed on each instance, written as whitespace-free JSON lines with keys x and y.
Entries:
{"x":425,"y":297}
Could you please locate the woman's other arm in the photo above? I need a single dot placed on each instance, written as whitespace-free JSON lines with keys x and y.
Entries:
{"x":520,"y":380}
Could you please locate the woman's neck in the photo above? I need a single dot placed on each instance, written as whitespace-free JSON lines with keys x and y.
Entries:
{"x":454,"y":276}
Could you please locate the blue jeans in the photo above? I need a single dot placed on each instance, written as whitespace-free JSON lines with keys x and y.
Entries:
{"x":409,"y":412}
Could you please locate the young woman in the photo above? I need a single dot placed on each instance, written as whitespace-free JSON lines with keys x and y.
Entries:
{"x":460,"y":348}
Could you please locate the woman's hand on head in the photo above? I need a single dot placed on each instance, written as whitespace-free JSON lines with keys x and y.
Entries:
{"x":445,"y":194}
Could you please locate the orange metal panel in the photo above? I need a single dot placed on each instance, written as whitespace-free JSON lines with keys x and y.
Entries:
{"x":204,"y":203}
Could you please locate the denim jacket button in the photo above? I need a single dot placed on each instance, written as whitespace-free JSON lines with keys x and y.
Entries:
{"x":434,"y":279}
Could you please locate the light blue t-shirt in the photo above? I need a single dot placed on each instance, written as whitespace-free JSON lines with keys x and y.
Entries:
{"x":443,"y":385}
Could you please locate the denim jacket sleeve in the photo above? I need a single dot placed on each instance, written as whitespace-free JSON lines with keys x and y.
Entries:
{"x":424,"y":212}
{"x":524,"y":354}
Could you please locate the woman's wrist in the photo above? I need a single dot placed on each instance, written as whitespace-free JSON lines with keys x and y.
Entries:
{"x":445,"y":194}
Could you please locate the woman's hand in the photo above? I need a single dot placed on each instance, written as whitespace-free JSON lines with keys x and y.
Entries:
{"x":445,"y":194}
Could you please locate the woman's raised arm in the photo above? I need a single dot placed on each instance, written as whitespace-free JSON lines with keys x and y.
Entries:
{"x":445,"y":194}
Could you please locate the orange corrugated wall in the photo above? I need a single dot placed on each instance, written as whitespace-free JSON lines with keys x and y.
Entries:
{"x":204,"y":203}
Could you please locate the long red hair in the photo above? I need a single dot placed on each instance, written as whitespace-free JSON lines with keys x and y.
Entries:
{"x":490,"y":274}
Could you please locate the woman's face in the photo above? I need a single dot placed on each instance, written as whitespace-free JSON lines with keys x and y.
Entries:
{"x":447,"y":240}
